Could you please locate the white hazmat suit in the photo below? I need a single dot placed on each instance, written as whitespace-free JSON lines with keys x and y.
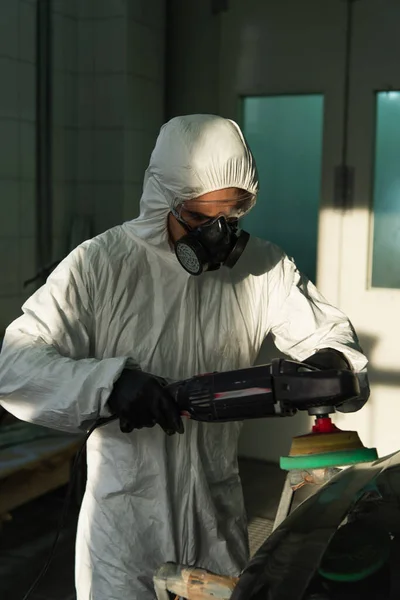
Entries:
{"x":122,"y":298}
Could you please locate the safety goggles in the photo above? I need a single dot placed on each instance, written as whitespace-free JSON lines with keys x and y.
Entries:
{"x":190,"y":212}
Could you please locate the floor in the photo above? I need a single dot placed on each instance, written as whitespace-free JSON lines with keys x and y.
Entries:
{"x":25,"y":542}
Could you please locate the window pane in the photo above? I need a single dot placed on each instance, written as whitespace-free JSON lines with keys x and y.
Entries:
{"x":285,"y":135}
{"x":386,"y":243}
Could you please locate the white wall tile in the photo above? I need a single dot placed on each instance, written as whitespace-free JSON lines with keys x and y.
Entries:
{"x":71,"y":28}
{"x":58,"y":43}
{"x":9,"y":28}
{"x":27,"y":203}
{"x":27,"y":91}
{"x":131,"y":203}
{"x":109,"y":8}
{"x":65,"y":40}
{"x":27,"y":31}
{"x":71,"y":99}
{"x":148,"y":103}
{"x":59,"y":248}
{"x":109,"y":100}
{"x":108,"y":199}
{"x":65,"y":145}
{"x":58,"y":98}
{"x":71,"y":151}
{"x":146,"y":54}
{"x":153,"y":104}
{"x":135,"y":155}
{"x":9,"y":261}
{"x":65,"y":99}
{"x":84,"y":199}
{"x":28,"y":265}
{"x":86,"y":100}
{"x":110,"y":45}
{"x":86,"y":51}
{"x":9,"y":160}
{"x":138,"y":148}
{"x":81,"y":229}
{"x":133,"y":103}
{"x":85,"y":166}
{"x":10,"y":309}
{"x":151,"y":12}
{"x":144,"y":104}
{"x":63,"y":207}
{"x":86,"y":9}
{"x":68,"y":8}
{"x":9,"y":88}
{"x":9,"y":208}
{"x":28,"y":150}
{"x":108,"y":155}
{"x":60,"y":195}
{"x":59,"y":157}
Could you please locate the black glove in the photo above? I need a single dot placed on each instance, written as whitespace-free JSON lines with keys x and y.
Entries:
{"x":328,"y":359}
{"x":141,"y":400}
{"x":333,"y":359}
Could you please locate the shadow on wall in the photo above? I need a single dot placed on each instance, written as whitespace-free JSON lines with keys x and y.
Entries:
{"x":377,"y":375}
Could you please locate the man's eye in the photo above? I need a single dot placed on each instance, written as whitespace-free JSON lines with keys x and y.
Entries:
{"x":197,"y":217}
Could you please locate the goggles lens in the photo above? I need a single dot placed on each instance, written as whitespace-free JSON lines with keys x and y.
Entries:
{"x":194,"y":212}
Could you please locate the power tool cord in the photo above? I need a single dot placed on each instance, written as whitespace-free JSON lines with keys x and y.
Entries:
{"x":64,"y":513}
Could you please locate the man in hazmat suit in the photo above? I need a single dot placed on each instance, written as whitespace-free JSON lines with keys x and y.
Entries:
{"x":127,"y":311}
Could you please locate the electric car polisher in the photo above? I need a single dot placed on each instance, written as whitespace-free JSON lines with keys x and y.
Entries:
{"x":280,"y":389}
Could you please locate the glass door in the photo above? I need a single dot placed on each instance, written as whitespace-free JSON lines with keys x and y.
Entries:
{"x":285,"y":134}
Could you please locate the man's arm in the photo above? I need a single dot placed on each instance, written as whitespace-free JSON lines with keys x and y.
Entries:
{"x":303,"y":323}
{"x":47,"y":374}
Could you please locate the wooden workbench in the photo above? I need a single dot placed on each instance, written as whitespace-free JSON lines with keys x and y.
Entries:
{"x":34,"y":467}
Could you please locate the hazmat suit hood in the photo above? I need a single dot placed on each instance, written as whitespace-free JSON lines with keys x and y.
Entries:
{"x":193,"y":155}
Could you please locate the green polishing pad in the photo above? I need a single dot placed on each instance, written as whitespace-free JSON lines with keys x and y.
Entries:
{"x":356,"y":551}
{"x":328,"y":459}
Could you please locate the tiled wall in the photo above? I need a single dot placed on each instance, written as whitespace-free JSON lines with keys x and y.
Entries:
{"x":145,"y":95}
{"x":64,"y":119}
{"x":120,"y":70}
{"x":193,"y":41}
{"x":17,"y":152}
{"x":108,"y":105}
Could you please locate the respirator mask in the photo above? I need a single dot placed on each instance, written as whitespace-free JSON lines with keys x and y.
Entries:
{"x":211,"y":242}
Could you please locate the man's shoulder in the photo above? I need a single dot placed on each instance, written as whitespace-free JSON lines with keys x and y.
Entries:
{"x":111,"y":250}
{"x":263,"y":257}
{"x":113,"y":243}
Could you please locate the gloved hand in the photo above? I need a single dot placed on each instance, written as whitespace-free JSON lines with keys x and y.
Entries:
{"x":328,"y":359}
{"x":333,"y":359}
{"x":141,"y":400}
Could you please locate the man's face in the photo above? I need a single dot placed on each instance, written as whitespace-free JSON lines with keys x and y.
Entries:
{"x":232,"y":203}
{"x":229,"y":202}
